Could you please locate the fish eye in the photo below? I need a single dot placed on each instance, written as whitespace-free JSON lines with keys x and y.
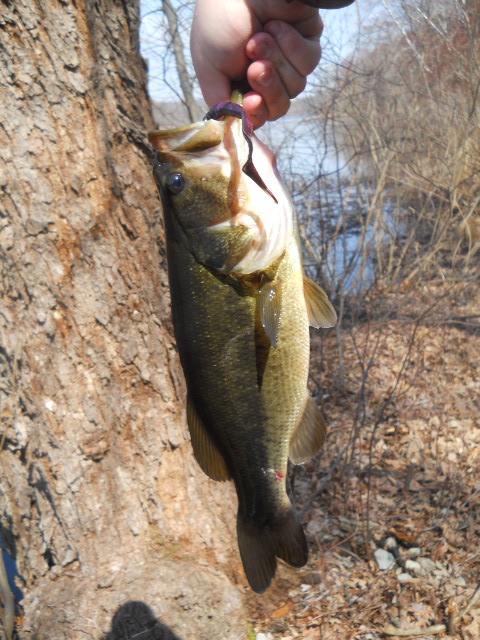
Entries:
{"x":175,"y":182}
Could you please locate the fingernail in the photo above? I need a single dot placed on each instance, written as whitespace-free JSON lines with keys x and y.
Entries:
{"x":265,"y":78}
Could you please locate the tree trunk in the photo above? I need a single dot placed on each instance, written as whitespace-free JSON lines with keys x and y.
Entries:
{"x":182,"y":71}
{"x":101,"y":502}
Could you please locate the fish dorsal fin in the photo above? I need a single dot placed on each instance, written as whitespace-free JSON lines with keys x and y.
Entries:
{"x":321,"y":313}
{"x":309,"y":434}
{"x":269,"y":309}
{"x":206,"y":453}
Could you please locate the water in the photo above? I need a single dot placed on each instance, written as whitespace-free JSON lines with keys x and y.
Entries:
{"x":303,"y":147}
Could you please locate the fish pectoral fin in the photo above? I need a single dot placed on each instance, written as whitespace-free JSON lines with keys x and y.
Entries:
{"x":321,"y":313}
{"x":269,"y":309}
{"x":206,"y":453}
{"x":309,"y":434}
{"x":260,"y":547}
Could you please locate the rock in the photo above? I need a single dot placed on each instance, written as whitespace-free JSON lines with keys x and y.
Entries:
{"x":390,"y":543}
{"x":411,"y":565}
{"x":414,"y":552}
{"x":427,"y":564}
{"x":384,"y":559}
{"x":404,"y":577}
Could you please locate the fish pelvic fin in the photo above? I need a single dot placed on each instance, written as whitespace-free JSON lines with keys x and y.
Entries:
{"x":321,"y":313}
{"x":309,"y":434}
{"x":205,"y":450}
{"x":259,"y":548}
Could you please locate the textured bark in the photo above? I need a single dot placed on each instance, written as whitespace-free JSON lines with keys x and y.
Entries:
{"x":101,"y":501}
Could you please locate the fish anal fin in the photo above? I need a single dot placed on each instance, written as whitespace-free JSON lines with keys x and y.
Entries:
{"x":269,"y":309}
{"x":321,"y":313}
{"x":206,"y":452}
{"x":259,"y":548}
{"x":309,"y":434}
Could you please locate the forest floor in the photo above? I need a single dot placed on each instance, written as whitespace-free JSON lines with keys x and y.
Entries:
{"x":391,"y":506}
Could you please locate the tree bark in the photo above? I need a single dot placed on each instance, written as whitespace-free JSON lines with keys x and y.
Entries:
{"x":111,"y":522}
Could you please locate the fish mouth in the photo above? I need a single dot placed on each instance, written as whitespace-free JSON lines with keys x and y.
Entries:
{"x":190,"y":138}
{"x":236,"y":110}
{"x":225,"y":150}
{"x":198,"y":147}
{"x":209,"y":133}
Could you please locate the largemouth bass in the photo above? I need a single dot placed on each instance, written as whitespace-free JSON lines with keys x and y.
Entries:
{"x":241,"y":310}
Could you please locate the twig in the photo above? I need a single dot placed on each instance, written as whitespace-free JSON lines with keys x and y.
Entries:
{"x":403,"y":632}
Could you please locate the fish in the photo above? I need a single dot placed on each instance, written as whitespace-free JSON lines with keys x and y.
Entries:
{"x":241,"y":311}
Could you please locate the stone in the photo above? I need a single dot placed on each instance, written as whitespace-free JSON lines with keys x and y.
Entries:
{"x":384,"y":559}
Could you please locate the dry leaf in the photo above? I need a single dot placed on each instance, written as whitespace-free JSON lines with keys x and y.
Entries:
{"x":472,"y":631}
{"x":282,"y":611}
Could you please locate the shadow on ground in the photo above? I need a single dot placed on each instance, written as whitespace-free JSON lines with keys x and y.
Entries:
{"x":135,"y":619}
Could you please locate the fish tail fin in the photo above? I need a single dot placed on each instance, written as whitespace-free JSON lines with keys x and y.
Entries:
{"x":259,"y":548}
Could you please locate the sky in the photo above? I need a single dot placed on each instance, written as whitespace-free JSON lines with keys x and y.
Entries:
{"x":341,"y":31}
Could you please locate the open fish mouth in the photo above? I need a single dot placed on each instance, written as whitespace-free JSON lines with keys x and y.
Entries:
{"x":224,"y":145}
{"x":204,"y":135}
{"x":234,"y":109}
{"x":189,"y":138}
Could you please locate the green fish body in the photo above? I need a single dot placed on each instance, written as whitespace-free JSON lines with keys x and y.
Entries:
{"x":241,"y":310}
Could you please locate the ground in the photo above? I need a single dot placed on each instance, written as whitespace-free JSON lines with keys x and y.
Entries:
{"x":392,"y":505}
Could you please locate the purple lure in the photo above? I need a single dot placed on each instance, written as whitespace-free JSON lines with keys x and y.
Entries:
{"x":236,"y":110}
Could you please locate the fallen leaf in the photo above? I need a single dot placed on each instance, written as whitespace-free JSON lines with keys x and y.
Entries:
{"x":472,"y":631}
{"x":283,"y":610}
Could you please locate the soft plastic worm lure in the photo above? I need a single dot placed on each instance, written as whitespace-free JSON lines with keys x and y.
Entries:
{"x":236,"y":110}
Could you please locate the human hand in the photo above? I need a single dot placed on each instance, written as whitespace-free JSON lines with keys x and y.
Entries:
{"x":271,"y":44}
